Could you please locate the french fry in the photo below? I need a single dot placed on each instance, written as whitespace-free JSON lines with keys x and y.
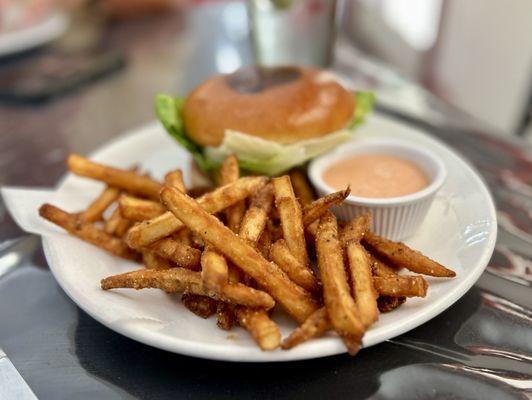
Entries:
{"x":86,"y":231}
{"x":214,"y":270}
{"x":302,"y":188}
{"x":316,"y":325}
{"x":400,"y":255}
{"x":264,"y":244}
{"x":401,"y":286}
{"x":177,"y":280}
{"x":281,"y":255}
{"x":202,"y":306}
{"x":291,"y":218}
{"x":317,"y":208}
{"x":129,"y":181}
{"x":389,"y":303}
{"x":362,"y":283}
{"x":152,"y":260}
{"x":185,"y":236}
{"x":355,"y":229}
{"x":296,"y":301}
{"x":183,"y":255}
{"x":116,"y":224}
{"x":256,"y":216}
{"x":225,"y":316}
{"x":380,"y":269}
{"x":96,"y":209}
{"x":264,"y":331}
{"x":230,"y":172}
{"x":341,"y":307}
{"x":157,"y":228}
{"x":138,"y":210}
{"x":175,"y":179}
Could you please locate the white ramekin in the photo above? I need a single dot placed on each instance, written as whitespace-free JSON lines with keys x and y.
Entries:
{"x":395,"y":217}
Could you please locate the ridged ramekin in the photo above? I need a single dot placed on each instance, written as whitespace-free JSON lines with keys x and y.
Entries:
{"x":395,"y":218}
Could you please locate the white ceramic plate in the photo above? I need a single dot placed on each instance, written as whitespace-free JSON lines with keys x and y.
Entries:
{"x":42,"y":32}
{"x":459,"y":231}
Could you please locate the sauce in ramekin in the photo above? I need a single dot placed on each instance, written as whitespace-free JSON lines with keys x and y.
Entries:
{"x":376,"y":176}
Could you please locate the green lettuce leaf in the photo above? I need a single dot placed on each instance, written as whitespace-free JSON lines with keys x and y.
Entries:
{"x":256,"y":155}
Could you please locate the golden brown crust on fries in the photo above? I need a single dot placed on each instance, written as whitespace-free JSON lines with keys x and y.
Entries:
{"x":116,"y":224}
{"x":264,"y":331}
{"x":401,"y":286}
{"x":202,"y":306}
{"x":316,"y":325}
{"x":214,"y":270}
{"x":152,"y":260}
{"x":175,"y":179}
{"x":97,"y":208}
{"x":178,"y":252}
{"x":302,"y":188}
{"x":355,"y":229}
{"x":138,"y":210}
{"x":256,"y":216}
{"x":317,"y":208}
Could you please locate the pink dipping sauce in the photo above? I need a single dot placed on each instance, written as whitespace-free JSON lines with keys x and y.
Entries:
{"x":376,"y":176}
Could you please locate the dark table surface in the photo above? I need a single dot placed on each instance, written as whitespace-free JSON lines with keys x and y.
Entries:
{"x":481,"y":347}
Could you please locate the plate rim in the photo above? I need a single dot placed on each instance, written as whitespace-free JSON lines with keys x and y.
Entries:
{"x":213,"y":351}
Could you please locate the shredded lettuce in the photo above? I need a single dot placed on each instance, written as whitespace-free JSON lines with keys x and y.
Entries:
{"x":256,"y":155}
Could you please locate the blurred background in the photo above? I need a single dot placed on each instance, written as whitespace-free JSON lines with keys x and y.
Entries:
{"x":475,"y":55}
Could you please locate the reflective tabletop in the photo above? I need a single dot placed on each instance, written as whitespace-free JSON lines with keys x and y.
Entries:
{"x":480,"y":348}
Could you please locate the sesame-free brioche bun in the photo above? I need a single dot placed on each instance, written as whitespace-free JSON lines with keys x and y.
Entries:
{"x":283,"y":104}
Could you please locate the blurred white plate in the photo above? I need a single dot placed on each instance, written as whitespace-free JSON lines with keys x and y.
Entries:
{"x":459,"y":231}
{"x":42,"y":32}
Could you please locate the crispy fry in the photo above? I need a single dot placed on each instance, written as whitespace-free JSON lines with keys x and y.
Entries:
{"x":185,"y":236}
{"x":183,"y":280}
{"x":214,"y":270}
{"x":269,"y":276}
{"x":116,"y":224}
{"x":138,"y":210}
{"x":226,"y":317}
{"x":264,"y":331}
{"x":122,"y":179}
{"x":317,"y":208}
{"x":362,"y":283}
{"x":280,"y":254}
{"x":315,"y":325}
{"x":96,"y":209}
{"x":149,"y":231}
{"x":86,"y":231}
{"x":202,"y":306}
{"x":302,"y":188}
{"x":152,"y":260}
{"x":355,"y":229}
{"x":175,"y":179}
{"x":230,"y":172}
{"x":341,"y":307}
{"x":388,"y":303}
{"x":378,"y":268}
{"x":401,"y":256}
{"x":401,"y":286}
{"x":291,"y":218}
{"x":183,"y":255}
{"x":256,"y":216}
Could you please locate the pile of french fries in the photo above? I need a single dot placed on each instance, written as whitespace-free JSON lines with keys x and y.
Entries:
{"x":238,"y":250}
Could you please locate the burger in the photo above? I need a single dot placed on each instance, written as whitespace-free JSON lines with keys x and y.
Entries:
{"x":272,"y":119}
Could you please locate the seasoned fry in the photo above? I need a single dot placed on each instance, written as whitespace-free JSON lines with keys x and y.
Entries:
{"x":175,"y":179}
{"x":96,"y":209}
{"x":280,"y":254}
{"x":226,"y":317}
{"x":341,"y":307}
{"x":378,"y":268}
{"x":157,"y":228}
{"x":230,"y":172}
{"x":176,"y":280}
{"x":256,"y":216}
{"x":388,"y":303}
{"x":183,"y":255}
{"x":129,"y":181}
{"x":400,"y":255}
{"x":292,"y":297}
{"x":315,"y":325}
{"x":116,"y":224}
{"x":152,"y":260}
{"x":138,"y":210}
{"x":362,"y":283}
{"x":185,"y":236}
{"x":291,"y":218}
{"x":317,"y":208}
{"x":401,"y":286}
{"x":86,"y":231}
{"x":302,"y":188}
{"x":214,"y":270}
{"x":202,"y":306}
{"x":264,"y":331}
{"x":355,"y":229}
